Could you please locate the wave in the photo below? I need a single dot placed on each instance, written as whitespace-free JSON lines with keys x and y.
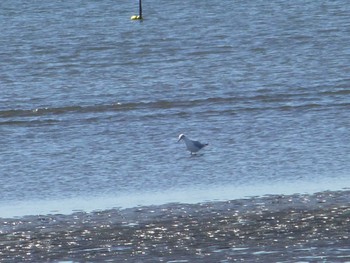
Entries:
{"x":282,"y":102}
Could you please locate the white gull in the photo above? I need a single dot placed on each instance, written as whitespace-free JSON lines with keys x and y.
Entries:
{"x":192,"y":146}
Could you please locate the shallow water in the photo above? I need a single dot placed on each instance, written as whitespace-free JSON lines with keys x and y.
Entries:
{"x":302,"y":228}
{"x":91,"y":103}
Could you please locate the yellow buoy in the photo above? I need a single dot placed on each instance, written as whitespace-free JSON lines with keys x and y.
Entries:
{"x":136,"y":17}
{"x":139,"y":17}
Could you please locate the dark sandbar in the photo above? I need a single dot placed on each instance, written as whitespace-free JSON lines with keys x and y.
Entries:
{"x":276,"y":228}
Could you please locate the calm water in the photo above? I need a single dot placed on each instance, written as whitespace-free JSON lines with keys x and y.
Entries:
{"x":91,"y":103}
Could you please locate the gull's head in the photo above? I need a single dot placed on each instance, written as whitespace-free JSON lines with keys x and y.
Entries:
{"x":181,"y":136}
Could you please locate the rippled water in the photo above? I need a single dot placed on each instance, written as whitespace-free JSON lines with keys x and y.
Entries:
{"x":295,"y":228}
{"x":91,"y":103}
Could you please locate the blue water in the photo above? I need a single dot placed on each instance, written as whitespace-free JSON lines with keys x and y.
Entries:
{"x":92,"y":103}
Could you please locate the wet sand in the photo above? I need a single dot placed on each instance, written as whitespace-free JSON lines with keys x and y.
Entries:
{"x":276,"y":228}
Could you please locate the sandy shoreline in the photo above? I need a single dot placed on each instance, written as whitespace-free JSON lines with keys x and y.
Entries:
{"x":276,"y":228}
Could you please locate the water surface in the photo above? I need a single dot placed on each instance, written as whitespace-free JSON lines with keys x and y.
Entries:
{"x":91,"y":103}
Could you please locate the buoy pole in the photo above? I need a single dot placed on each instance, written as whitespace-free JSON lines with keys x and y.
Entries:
{"x":140,"y":9}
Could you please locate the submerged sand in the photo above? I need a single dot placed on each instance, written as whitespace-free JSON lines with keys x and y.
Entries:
{"x":276,"y":228}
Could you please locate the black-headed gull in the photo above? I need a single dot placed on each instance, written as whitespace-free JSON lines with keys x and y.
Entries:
{"x":192,"y":146}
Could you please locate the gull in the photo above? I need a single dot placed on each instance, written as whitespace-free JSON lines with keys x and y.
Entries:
{"x":192,"y":146}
